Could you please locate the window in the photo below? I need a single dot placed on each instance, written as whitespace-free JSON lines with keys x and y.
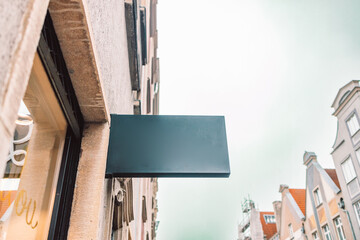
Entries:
{"x":148,"y":97}
{"x":144,"y":211}
{"x":123,"y":212}
{"x":357,"y":210}
{"x":358,"y":154}
{"x":344,"y":97}
{"x":353,"y":124}
{"x":291,"y":231}
{"x":143,"y":35}
{"x":318,"y":198}
{"x":348,"y":170}
{"x":350,"y":177}
{"x":315,"y":236}
{"x":144,"y":217}
{"x":269,"y":218}
{"x":353,"y":187}
{"x":152,"y":18}
{"x":28,"y":185}
{"x":327,"y":232}
{"x":51,"y":56}
{"x":339,"y":228}
{"x":36,"y":188}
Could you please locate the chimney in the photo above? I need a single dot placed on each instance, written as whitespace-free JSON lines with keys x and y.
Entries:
{"x":309,"y":157}
{"x":277,"y":211}
{"x":283,"y":187}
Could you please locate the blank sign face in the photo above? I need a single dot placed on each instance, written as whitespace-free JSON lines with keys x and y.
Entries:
{"x":167,"y":146}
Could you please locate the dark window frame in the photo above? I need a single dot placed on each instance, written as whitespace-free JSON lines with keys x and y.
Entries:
{"x":143,"y":35}
{"x":131,"y":17}
{"x":148,"y":96}
{"x":51,"y":56}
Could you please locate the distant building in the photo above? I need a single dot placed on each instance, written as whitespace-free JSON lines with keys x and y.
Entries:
{"x":256,"y":225}
{"x":346,"y":153}
{"x":329,"y":207}
{"x":268,"y":224}
{"x":323,"y":218}
{"x":290,"y":219}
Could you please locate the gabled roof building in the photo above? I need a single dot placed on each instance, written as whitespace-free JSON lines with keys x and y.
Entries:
{"x":292,"y":214}
{"x":329,"y":207}
{"x":346,"y":149}
{"x":323,"y":217}
{"x":268,"y":224}
{"x":256,"y":225}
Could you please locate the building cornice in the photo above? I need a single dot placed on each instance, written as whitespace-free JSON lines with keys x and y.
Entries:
{"x":347,"y":99}
{"x":336,"y":148}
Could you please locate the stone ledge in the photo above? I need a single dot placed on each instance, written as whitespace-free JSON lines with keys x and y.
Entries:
{"x":73,"y":32}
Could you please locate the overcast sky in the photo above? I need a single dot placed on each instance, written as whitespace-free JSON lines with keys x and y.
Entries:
{"x":272,"y":68}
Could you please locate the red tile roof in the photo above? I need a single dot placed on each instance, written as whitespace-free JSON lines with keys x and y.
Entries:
{"x":269,"y":229}
{"x":299,"y":195}
{"x":332,"y":174}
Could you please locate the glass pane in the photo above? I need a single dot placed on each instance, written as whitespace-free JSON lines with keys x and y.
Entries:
{"x":27,"y":187}
{"x":357,"y":211}
{"x":353,"y":124}
{"x":353,"y":187}
{"x":358,"y":154}
{"x":348,"y":170}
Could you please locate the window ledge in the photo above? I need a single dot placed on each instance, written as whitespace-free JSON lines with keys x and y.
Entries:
{"x":319,"y":205}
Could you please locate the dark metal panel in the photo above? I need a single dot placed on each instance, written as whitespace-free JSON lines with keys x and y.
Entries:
{"x":167,"y":146}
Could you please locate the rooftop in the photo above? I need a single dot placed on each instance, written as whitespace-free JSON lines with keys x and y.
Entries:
{"x":269,"y":229}
{"x":332,"y":174}
{"x":299,"y":195}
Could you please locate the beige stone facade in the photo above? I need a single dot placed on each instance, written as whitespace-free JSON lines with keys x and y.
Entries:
{"x":346,"y":149}
{"x":314,"y":212}
{"x":291,"y":216}
{"x":323,"y":194}
{"x":104,"y":44}
{"x":255,"y":224}
{"x":329,"y":206}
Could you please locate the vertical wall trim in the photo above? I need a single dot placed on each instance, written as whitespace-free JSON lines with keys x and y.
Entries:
{"x":85,"y":212}
{"x":17,"y":71}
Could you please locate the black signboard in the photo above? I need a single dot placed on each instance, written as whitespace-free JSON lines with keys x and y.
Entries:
{"x":167,"y":146}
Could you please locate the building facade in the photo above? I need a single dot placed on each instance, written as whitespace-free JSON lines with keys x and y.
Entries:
{"x":292,"y":213}
{"x":346,"y":149}
{"x":314,"y":212}
{"x":256,"y":225}
{"x":324,"y":219}
{"x":65,"y":66}
{"x":329,"y":207}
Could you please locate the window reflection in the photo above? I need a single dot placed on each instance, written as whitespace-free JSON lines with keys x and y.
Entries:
{"x":15,"y":161}
{"x":18,"y":148}
{"x":28,"y":184}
